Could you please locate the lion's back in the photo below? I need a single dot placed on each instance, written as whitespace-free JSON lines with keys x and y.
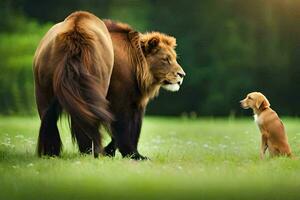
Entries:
{"x":91,"y":31}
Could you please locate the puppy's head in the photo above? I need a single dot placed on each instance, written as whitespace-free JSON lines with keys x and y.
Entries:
{"x":256,"y":101}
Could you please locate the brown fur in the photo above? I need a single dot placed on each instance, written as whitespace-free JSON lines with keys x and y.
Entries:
{"x":73,"y":72}
{"x":139,"y":71}
{"x":272,"y":130}
{"x":72,"y":68}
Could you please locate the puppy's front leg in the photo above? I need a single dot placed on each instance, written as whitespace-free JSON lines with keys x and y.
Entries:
{"x":264,"y":146}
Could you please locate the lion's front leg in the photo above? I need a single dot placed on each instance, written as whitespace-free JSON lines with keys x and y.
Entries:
{"x":110,"y":149}
{"x":126,"y":130}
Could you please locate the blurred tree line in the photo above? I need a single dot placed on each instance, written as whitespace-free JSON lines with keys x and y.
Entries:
{"x":227,"y":47}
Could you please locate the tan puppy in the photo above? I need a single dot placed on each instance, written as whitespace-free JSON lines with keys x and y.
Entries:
{"x":273,"y":136}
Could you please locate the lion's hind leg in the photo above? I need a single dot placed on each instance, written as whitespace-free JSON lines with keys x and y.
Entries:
{"x":87,"y":136}
{"x":78,"y":135}
{"x":49,"y":142}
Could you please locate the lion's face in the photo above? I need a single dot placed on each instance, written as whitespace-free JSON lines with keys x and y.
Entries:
{"x":162,"y":60}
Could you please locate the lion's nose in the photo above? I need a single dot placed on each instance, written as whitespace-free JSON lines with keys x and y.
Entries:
{"x":181,"y":74}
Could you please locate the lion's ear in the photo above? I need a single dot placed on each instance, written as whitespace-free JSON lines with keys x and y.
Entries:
{"x":150,"y":44}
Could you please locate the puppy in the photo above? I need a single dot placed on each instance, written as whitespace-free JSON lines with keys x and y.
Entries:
{"x":273,"y":136}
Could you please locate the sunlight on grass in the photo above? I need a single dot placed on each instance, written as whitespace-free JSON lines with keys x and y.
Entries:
{"x":203,"y":158}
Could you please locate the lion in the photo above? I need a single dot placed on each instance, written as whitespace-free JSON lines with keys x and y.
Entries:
{"x":144,"y":62}
{"x":72,"y":69}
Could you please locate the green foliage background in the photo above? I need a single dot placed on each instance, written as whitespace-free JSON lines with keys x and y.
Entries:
{"x":227,"y":48}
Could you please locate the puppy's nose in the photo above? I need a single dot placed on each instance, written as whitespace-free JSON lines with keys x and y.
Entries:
{"x":181,"y":74}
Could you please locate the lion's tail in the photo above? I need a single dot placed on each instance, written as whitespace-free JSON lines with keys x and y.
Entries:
{"x":75,"y":86}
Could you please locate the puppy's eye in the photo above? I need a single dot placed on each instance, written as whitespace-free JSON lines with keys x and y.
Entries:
{"x":249,"y":97}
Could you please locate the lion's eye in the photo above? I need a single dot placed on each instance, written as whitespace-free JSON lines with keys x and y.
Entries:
{"x":166,"y":60}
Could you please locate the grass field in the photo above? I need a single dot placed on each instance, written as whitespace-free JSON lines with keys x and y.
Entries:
{"x":191,"y":159}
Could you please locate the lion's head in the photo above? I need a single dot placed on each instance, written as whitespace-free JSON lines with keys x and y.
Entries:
{"x":159,"y":52}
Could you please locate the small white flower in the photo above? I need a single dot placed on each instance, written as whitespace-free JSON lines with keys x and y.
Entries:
{"x":30,"y":165}
{"x":77,"y":162}
{"x":223,"y":146}
{"x":172,"y":133}
{"x":189,"y":142}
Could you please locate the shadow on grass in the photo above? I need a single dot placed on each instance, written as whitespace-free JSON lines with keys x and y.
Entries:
{"x":19,"y":157}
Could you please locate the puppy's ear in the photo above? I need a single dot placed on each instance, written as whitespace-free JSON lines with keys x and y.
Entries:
{"x":262,"y":103}
{"x":149,"y":44}
{"x":265,"y":103}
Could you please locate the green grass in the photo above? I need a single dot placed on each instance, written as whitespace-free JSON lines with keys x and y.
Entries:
{"x":191,"y":159}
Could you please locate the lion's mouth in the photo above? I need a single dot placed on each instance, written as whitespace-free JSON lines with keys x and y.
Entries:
{"x":167,"y":82}
{"x":173,"y":87}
